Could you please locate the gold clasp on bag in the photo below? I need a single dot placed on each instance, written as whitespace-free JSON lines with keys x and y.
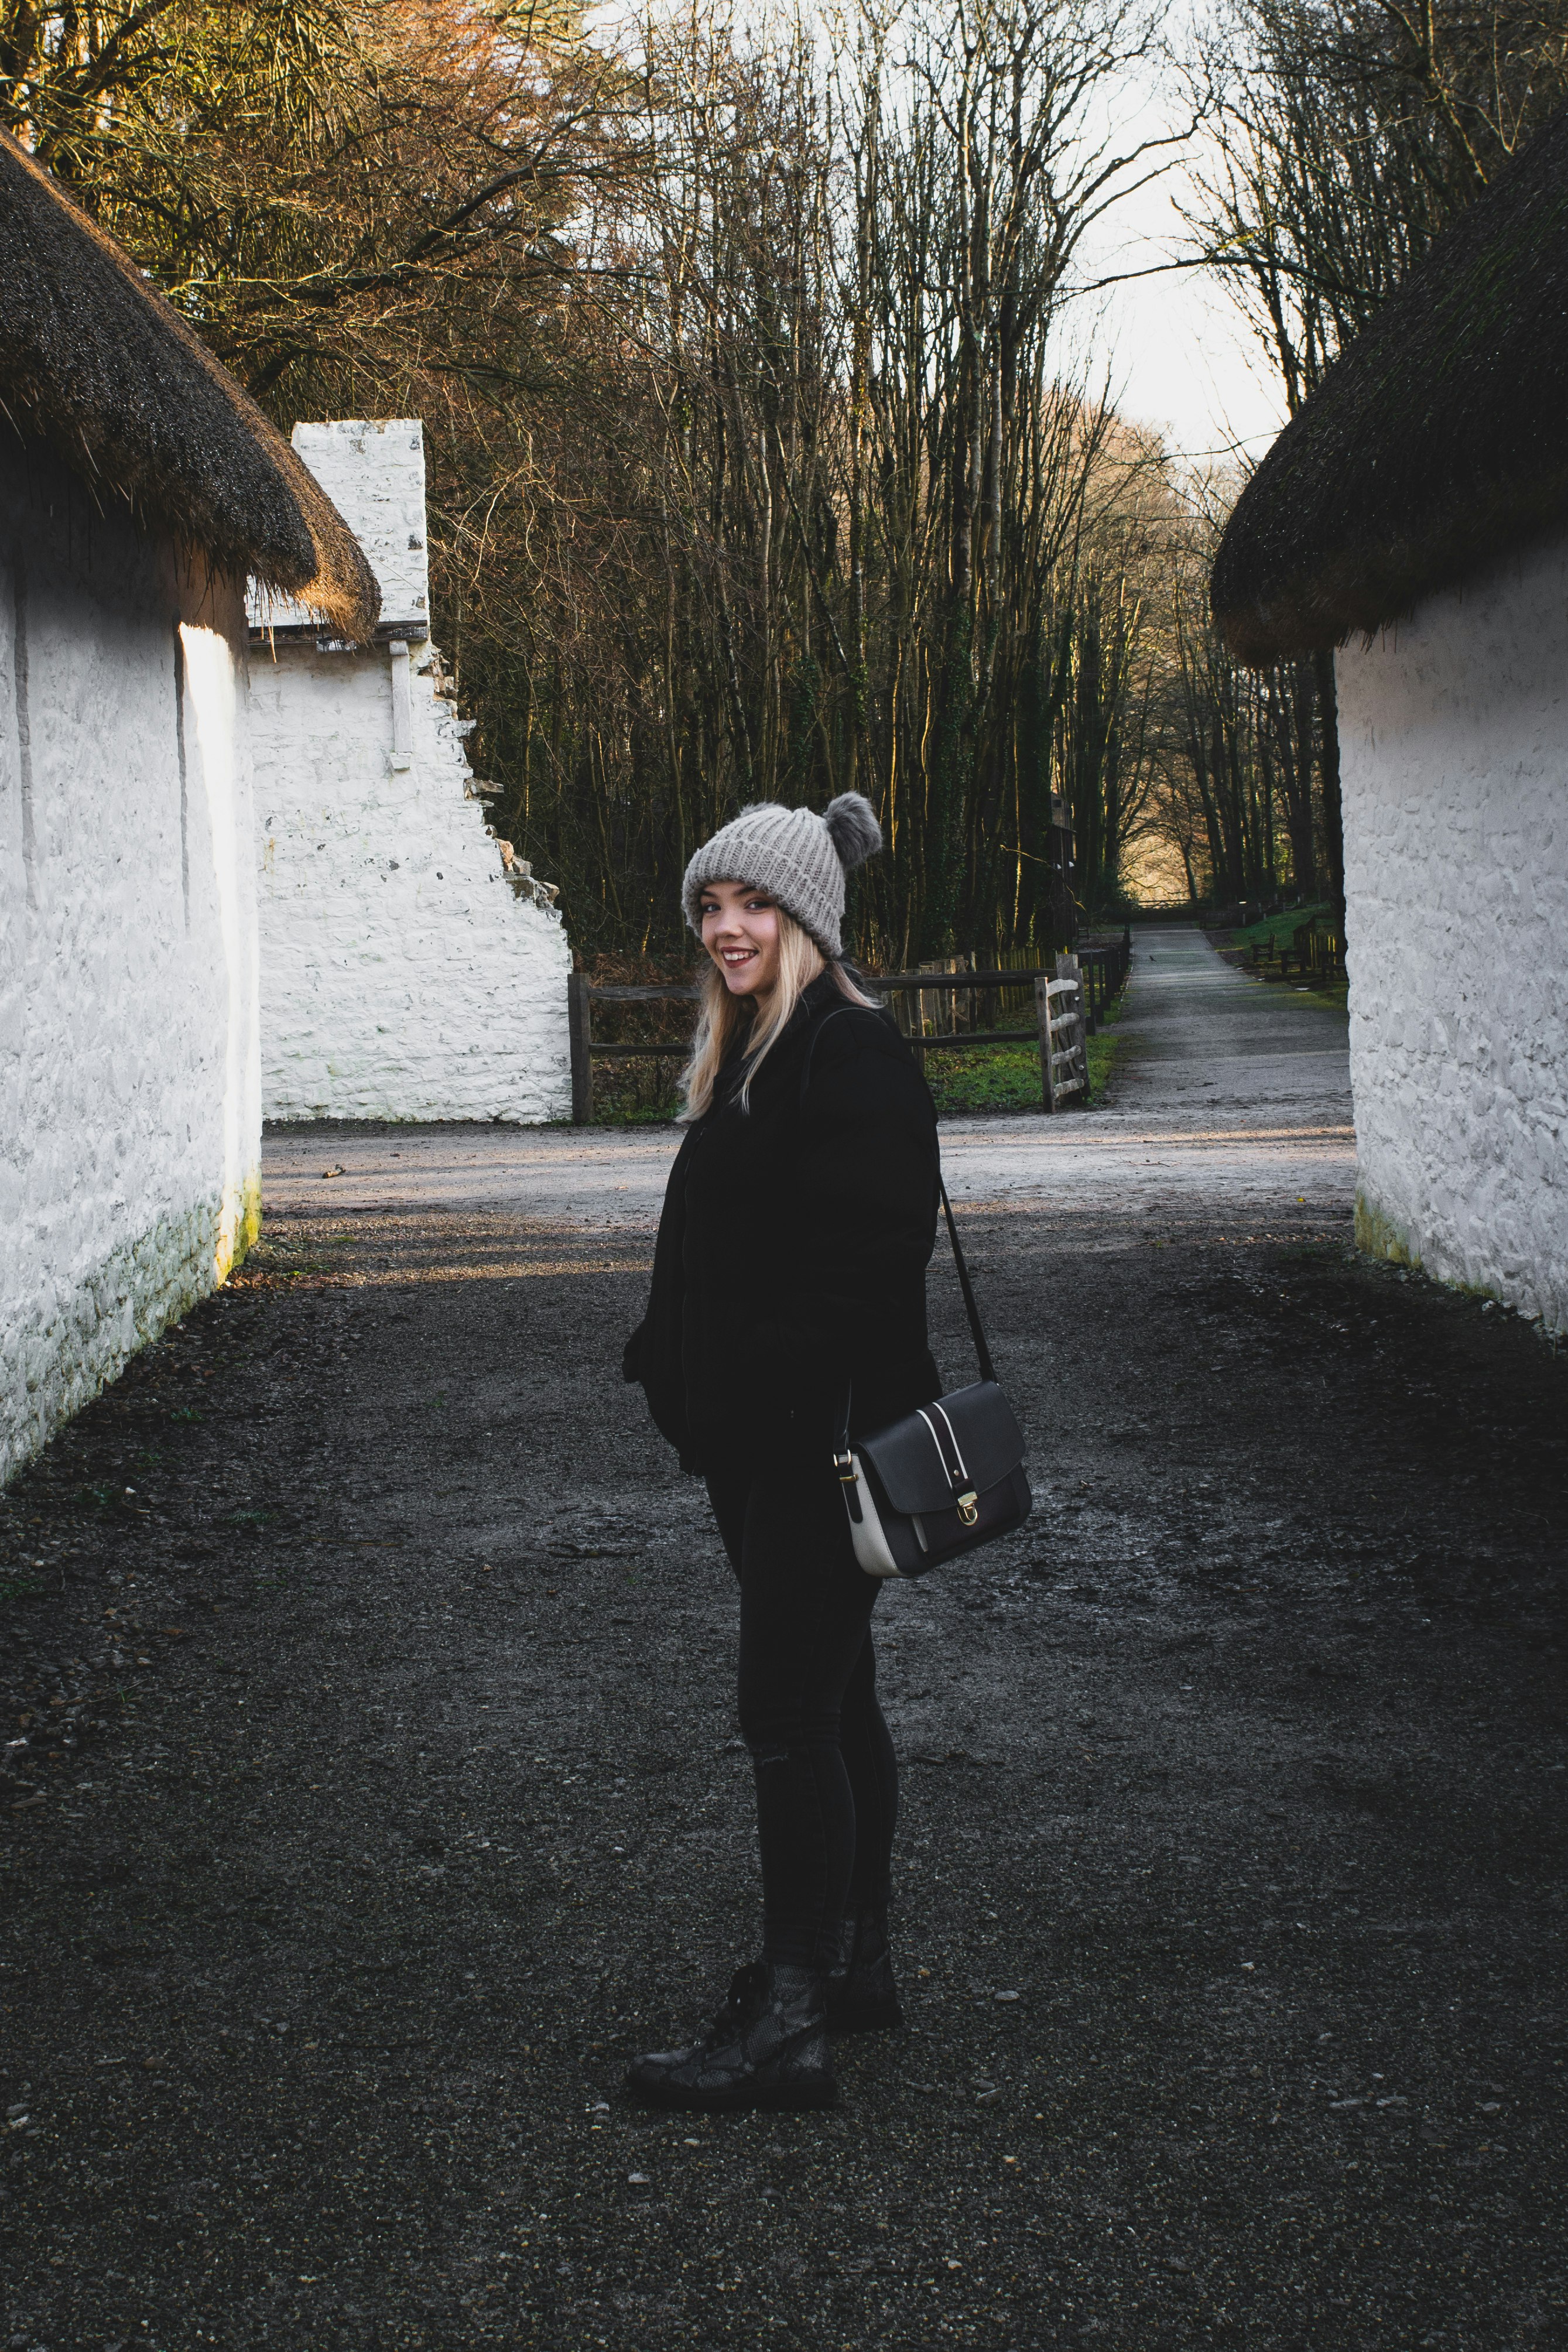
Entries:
{"x":968,"y":1511}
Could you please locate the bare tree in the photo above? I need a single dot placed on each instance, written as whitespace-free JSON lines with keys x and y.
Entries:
{"x":759,"y":463}
{"x":1344,"y":136}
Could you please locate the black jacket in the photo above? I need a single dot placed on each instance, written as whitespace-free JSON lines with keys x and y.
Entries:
{"x":792,"y":1248}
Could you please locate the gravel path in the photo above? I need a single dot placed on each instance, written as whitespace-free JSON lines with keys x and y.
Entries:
{"x":381,"y":1790}
{"x":1228,"y":1093}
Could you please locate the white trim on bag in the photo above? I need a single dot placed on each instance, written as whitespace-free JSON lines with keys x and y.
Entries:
{"x":867,"y":1534}
{"x":958,"y":1450}
{"x":936,"y":1440}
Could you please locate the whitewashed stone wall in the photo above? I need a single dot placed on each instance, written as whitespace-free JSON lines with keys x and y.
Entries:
{"x":1454,"y":731}
{"x":374,"y":473}
{"x":129,"y":1082}
{"x":404,"y":974}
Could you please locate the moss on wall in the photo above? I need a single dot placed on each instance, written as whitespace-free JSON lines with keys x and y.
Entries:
{"x":1379,"y":1236}
{"x":88,"y":1332}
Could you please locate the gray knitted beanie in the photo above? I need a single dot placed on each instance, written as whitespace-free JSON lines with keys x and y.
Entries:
{"x":796,"y":856}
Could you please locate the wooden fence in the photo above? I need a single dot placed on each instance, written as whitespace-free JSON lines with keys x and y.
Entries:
{"x":1317,"y":950}
{"x":1064,"y":1002}
{"x":1106,"y":963}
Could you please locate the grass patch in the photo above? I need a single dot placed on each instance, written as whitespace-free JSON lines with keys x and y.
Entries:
{"x":18,"y":1588}
{"x":1332,"y":995}
{"x":1278,"y":931}
{"x":993,"y":1077}
{"x":1007,"y":1078}
{"x":1104,"y":1053}
{"x":636,"y":1094}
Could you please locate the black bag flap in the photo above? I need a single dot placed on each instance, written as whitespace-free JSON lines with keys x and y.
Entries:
{"x":907,"y":1460}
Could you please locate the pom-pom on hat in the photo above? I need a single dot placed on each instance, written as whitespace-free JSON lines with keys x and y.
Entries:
{"x":796,"y":856}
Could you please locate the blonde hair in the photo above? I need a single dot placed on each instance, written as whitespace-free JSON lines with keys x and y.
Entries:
{"x":725,"y":1017}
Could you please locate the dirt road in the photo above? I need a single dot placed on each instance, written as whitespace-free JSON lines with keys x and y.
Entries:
{"x":392,"y":1794}
{"x":1228,"y":1093}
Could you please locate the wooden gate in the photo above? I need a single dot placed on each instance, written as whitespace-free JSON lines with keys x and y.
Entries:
{"x":1059,"y":1033}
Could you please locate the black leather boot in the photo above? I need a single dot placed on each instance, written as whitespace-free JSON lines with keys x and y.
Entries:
{"x":766,"y":2047}
{"x":862,"y":1997}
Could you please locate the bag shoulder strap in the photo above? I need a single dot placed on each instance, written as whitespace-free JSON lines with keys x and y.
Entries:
{"x":976,"y":1328}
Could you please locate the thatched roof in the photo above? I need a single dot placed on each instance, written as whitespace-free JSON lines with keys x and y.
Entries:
{"x":1435,"y":443}
{"x":96,"y":363}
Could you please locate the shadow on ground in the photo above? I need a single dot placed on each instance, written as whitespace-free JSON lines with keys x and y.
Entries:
{"x":380,"y":1792}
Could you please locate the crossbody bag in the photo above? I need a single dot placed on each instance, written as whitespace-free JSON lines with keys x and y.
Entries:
{"x":946,"y":1478}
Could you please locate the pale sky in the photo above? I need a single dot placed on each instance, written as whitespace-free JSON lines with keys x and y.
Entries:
{"x":1179,"y":354}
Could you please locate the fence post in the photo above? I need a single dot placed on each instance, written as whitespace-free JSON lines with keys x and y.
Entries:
{"x":1043,"y":1030}
{"x":1068,"y":967}
{"x":579,"y":1024}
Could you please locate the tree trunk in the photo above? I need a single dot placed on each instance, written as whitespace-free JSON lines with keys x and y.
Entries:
{"x":1333,"y":824}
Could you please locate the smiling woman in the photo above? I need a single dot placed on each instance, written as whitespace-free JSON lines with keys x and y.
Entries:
{"x":790,"y":1265}
{"x":763,"y":956}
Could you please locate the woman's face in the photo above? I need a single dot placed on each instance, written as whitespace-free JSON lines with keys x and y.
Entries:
{"x":741,"y":932}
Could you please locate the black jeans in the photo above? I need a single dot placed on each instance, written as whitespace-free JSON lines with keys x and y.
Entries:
{"x":827,"y":1780}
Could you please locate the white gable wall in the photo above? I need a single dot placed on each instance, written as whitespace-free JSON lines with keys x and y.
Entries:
{"x":1454,"y":740}
{"x":404,"y":975}
{"x":131,"y":1131}
{"x":374,"y":473}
